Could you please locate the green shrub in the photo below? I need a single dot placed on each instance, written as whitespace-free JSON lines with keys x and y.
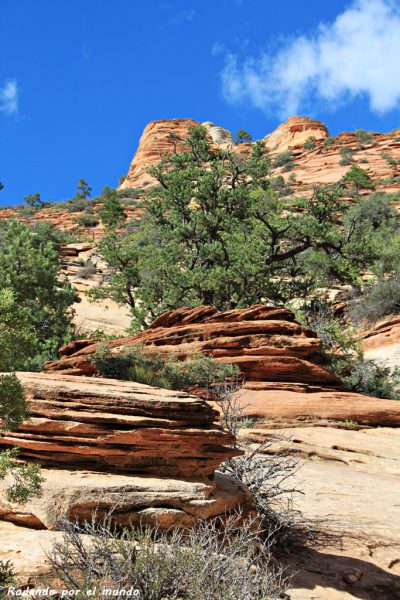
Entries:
{"x":389,"y":159}
{"x":202,"y":371}
{"x":364,"y":137}
{"x":12,"y":402}
{"x":79,"y":204}
{"x":344,"y":356}
{"x":318,"y":316}
{"x":310,"y":143}
{"x":329,"y":141}
{"x":26,"y":478}
{"x":283,"y":159}
{"x":379,"y":300}
{"x":112,"y":213}
{"x":346,"y":156}
{"x":17,"y":335}
{"x":135,"y":364}
{"x":280,"y":185}
{"x":288,"y":167}
{"x":348,"y":424}
{"x":358,"y":178}
{"x":133,"y":193}
{"x":87,"y":270}
{"x":369,"y":378}
{"x":7,"y":574}
{"x":87,"y":220}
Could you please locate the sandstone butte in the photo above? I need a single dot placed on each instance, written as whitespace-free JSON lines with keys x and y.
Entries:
{"x":286,"y":380}
{"x":148,"y":454}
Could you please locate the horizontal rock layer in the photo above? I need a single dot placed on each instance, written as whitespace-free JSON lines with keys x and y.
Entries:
{"x":126,"y":499}
{"x":297,"y":405}
{"x":265,"y":343}
{"x":285,"y":380}
{"x":381,"y":341}
{"x":116,"y":426}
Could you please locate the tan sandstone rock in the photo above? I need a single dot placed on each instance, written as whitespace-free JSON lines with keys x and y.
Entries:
{"x":130,"y":500}
{"x":381,"y":341}
{"x":158,"y":138}
{"x":350,"y":484}
{"x":295,"y":132}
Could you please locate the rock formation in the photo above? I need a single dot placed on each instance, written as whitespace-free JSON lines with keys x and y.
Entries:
{"x":220,"y":136}
{"x":167,"y":135}
{"x":157,"y":138}
{"x":148,"y":454}
{"x":349,"y":478}
{"x":266,"y":343}
{"x":106,"y":424}
{"x":313,"y":166}
{"x":83,"y":268}
{"x":381,"y":341}
{"x":285,"y":378}
{"x":295,"y":132}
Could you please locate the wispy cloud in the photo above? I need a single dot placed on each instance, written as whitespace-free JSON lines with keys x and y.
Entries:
{"x":355,"y":55}
{"x":182,"y":17}
{"x":9,"y":97}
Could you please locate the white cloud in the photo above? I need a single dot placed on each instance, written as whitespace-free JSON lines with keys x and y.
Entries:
{"x":356,"y":55}
{"x":9,"y":98}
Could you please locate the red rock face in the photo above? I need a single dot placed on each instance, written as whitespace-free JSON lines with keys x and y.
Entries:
{"x":142,"y":454}
{"x":285,"y":381}
{"x":319,"y":165}
{"x":119,"y":426}
{"x":265,"y":343}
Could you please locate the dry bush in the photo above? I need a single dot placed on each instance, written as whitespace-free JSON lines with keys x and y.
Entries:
{"x":214,"y":561}
{"x":268,"y":470}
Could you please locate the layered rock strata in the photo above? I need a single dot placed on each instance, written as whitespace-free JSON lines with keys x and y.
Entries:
{"x":265,"y":343}
{"x":295,"y":132}
{"x":145,"y":454}
{"x":319,"y":164}
{"x":158,"y":138}
{"x":281,"y":361}
{"x":79,"y":495}
{"x":118,"y":426}
{"x":381,"y":341}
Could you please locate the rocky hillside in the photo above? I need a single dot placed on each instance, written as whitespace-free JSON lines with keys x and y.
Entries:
{"x":315,"y":155}
{"x":315,"y":159}
{"x":155,"y":453}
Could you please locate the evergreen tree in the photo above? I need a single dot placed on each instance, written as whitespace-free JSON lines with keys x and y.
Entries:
{"x":243,"y":136}
{"x":33,"y":201}
{"x":29,"y":287}
{"x":215,"y":232}
{"x":112,"y":213}
{"x":84,"y":190}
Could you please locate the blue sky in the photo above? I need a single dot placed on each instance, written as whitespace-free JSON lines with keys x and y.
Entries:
{"x":79,"y":80}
